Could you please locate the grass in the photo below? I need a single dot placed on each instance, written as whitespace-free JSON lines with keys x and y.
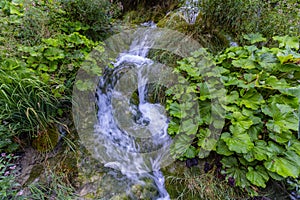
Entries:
{"x":191,"y":185}
{"x":26,"y":103}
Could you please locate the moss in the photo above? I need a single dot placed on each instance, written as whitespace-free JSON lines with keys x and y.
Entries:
{"x":46,"y":140}
{"x":35,"y":173}
{"x":175,"y":21}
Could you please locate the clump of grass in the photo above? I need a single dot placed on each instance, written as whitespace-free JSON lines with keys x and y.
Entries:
{"x":26,"y":104}
{"x":191,"y":185}
{"x":56,"y":188}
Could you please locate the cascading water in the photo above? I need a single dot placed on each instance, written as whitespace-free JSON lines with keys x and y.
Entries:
{"x":190,"y":11}
{"x":128,"y":133}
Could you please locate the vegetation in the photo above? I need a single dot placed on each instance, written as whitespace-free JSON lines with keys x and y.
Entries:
{"x":242,"y":102}
{"x":260,"y":137}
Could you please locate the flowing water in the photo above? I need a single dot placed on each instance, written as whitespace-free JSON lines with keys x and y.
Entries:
{"x":134,"y":135}
{"x":130,"y":132}
{"x":190,"y":11}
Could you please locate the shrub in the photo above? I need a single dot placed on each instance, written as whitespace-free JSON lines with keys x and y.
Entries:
{"x":243,"y":17}
{"x":93,"y":15}
{"x":259,"y":140}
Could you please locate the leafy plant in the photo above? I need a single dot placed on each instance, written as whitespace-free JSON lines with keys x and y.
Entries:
{"x":92,"y":17}
{"x":271,"y":17}
{"x":260,"y":138}
{"x":7,"y":180}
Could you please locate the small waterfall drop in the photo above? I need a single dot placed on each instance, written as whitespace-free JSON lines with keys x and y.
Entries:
{"x":190,"y":11}
{"x":129,"y":130}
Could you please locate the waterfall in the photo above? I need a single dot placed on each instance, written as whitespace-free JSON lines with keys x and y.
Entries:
{"x":128,"y":130}
{"x":190,"y":11}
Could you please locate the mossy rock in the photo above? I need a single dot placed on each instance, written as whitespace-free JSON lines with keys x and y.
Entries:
{"x":175,"y":21}
{"x":46,"y":140}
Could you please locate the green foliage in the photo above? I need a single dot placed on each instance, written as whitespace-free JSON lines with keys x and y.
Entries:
{"x":271,"y":17}
{"x":26,"y":104}
{"x":92,"y":17}
{"x":57,"y":188}
{"x":40,"y":58}
{"x":7,"y":180}
{"x":260,"y":138}
{"x":192,"y":184}
{"x":56,"y":60}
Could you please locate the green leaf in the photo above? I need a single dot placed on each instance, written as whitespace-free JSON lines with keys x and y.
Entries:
{"x":239,"y":174}
{"x":175,"y":110}
{"x":244,"y":63}
{"x":240,"y":143}
{"x":181,"y":143}
{"x":191,"y":152}
{"x":273,"y":82}
{"x":275,"y":176}
{"x":254,"y":38}
{"x":84,"y":85}
{"x":260,"y":152}
{"x":252,"y":99}
{"x":292,"y":91}
{"x":222,"y":149}
{"x":53,"y":53}
{"x":173,"y":127}
{"x":189,"y":127}
{"x":257,"y":176}
{"x":284,"y":117}
{"x":287,"y":41}
{"x":230,"y":162}
{"x":295,"y":146}
{"x":283,"y":167}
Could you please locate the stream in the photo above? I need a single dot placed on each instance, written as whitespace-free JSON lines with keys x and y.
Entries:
{"x":119,"y":133}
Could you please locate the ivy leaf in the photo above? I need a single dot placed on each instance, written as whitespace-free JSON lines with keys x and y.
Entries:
{"x":275,"y":176}
{"x":205,"y":112}
{"x":208,"y":144}
{"x":233,"y":97}
{"x":258,"y":177}
{"x":240,"y":122}
{"x":281,"y":138}
{"x":254,"y":38}
{"x":240,"y":143}
{"x":284,"y":99}
{"x":252,"y":99}
{"x":53,"y":42}
{"x":173,"y":128}
{"x":294,"y":157}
